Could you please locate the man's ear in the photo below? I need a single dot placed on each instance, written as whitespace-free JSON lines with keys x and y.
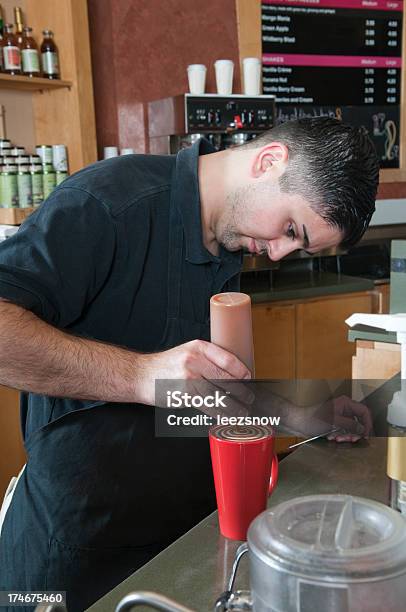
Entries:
{"x":270,"y":160}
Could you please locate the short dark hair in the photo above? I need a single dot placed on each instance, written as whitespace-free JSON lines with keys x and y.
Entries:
{"x":334,"y":166}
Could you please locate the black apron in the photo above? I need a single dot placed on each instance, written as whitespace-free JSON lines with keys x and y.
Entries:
{"x":101,"y":495}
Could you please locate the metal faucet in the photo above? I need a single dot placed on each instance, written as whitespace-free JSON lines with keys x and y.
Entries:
{"x":53,"y":607}
{"x":153,"y":600}
{"x":138,"y":598}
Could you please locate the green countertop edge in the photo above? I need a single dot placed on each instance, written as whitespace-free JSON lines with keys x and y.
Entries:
{"x":331,"y":284}
{"x":363,"y":332}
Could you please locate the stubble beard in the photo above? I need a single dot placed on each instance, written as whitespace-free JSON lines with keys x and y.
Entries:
{"x":229,"y":237}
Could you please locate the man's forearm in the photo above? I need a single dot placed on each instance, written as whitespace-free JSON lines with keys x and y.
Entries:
{"x":36,"y":357}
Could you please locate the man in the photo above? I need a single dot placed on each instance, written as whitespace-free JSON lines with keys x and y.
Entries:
{"x":104,"y":290}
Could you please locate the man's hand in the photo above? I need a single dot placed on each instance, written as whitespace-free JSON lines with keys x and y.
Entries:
{"x":194,"y":361}
{"x":353,"y":419}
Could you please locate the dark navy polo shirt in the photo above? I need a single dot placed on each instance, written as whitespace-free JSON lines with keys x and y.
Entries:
{"x":92,"y":260}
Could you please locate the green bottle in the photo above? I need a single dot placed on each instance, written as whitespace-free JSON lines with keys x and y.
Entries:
{"x":8,"y":187}
{"x":49,"y":179}
{"x":36,"y":184}
{"x":24,"y":185}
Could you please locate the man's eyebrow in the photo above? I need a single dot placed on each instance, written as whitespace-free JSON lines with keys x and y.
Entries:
{"x":306,"y":242}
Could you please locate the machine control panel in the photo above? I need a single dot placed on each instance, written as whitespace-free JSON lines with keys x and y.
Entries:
{"x":216,"y":113}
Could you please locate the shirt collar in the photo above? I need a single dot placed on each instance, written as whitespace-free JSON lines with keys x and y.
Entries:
{"x":188,"y":201}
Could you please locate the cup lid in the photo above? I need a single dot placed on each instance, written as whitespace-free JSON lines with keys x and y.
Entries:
{"x":230,"y":299}
{"x":243,"y":434}
{"x":331,"y":537}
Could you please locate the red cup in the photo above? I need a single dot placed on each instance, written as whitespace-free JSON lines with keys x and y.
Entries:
{"x":245,"y":470}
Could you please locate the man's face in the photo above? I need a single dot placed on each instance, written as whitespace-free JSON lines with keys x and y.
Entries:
{"x":262,"y":219}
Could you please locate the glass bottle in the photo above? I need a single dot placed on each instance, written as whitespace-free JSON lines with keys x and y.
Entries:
{"x":23,"y":160}
{"x":36,"y":184}
{"x":11,"y":51}
{"x":19,"y":21}
{"x":61,"y":175}
{"x":8,"y":186}
{"x":24,"y":186}
{"x":49,"y":56}
{"x":30,"y":55}
{"x":1,"y":39}
{"x":1,"y":21}
{"x":5,"y":146}
{"x":48,"y":180}
{"x":45,"y":153}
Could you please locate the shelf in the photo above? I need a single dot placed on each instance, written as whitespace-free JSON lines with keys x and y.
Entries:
{"x":24,"y":83}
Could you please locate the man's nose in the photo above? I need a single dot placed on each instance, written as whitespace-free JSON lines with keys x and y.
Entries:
{"x":280,"y":248}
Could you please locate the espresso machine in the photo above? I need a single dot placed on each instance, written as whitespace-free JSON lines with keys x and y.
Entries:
{"x":226,"y":121}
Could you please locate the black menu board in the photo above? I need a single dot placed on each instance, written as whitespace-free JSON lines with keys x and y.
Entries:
{"x":339,"y":58}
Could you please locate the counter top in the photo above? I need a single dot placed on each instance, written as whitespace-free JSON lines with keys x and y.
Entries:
{"x":194,"y":570}
{"x":364,"y":332}
{"x":304,"y":286}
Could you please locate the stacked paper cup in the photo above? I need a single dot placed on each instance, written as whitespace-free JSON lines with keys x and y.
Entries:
{"x":197,"y":78}
{"x":224,"y":76}
{"x":252,"y":76}
{"x":224,"y":69}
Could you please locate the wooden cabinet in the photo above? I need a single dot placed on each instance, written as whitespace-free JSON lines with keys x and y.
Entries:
{"x":381,"y":299}
{"x":322,"y":347}
{"x":40,"y":111}
{"x":274,"y":340}
{"x":306,"y":338}
{"x":67,"y":115}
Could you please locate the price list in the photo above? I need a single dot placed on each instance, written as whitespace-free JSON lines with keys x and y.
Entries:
{"x":337,"y":57}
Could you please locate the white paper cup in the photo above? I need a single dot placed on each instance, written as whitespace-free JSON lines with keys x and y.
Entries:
{"x":196,"y":74}
{"x":252,"y":76}
{"x":127,"y":151}
{"x":224,"y":76}
{"x":110,"y":152}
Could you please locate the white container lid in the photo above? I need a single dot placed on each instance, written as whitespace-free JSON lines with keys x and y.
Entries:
{"x":331,"y":537}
